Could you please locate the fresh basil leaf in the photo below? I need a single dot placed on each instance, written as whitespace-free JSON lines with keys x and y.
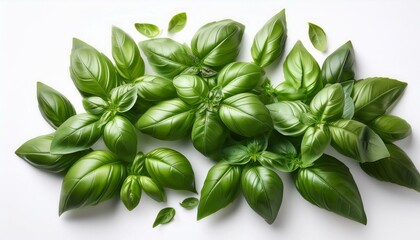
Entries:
{"x":177,"y":22}
{"x":151,"y":188}
{"x":329,"y":184}
{"x":130,"y":193}
{"x":398,"y":169}
{"x":318,"y":37}
{"x":338,"y":66}
{"x":95,"y":105}
{"x":168,"y":120}
{"x":314,"y":142}
{"x":263,"y":190}
{"x":121,"y":138}
{"x":236,"y":155}
{"x":220,"y":188}
{"x":390,"y":128}
{"x":189,"y":203}
{"x":154,"y":88}
{"x":217,"y":43}
{"x":280,"y":144}
{"x":106,"y":117}
{"x":245,"y":115}
{"x":123,"y":98}
{"x":164,"y":216}
{"x":356,"y":140}
{"x":96,"y":177}
{"x":137,"y":167}
{"x":373,"y":96}
{"x":171,"y":169}
{"x":270,"y":40}
{"x":54,"y":106}
{"x":286,"y":92}
{"x":328,"y":104}
{"x":256,"y":144}
{"x":147,"y":29}
{"x":287,"y":117}
{"x":77,"y":133}
{"x":126,"y":54}
{"x":348,"y":110}
{"x":278,"y":162}
{"x":191,"y":89}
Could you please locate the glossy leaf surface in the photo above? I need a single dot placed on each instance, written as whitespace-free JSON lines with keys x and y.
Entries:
{"x":338,"y":66}
{"x":164,"y":216}
{"x":130,"y":192}
{"x":177,"y":22}
{"x":123,"y":98}
{"x":287,"y":117}
{"x":191,"y":89}
{"x":328,"y":104}
{"x":348,"y":110}
{"x":278,"y":162}
{"x":151,"y":188}
{"x":155,"y":88}
{"x":189,"y":203}
{"x":147,"y":29}
{"x":121,"y":138}
{"x":318,"y":37}
{"x":314,"y":142}
{"x":390,"y":128}
{"x":95,"y":105}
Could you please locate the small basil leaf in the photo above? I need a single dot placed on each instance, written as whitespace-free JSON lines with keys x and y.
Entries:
{"x":318,"y":37}
{"x":286,"y":117}
{"x":257,"y":144}
{"x":338,"y":67}
{"x":278,"y":162}
{"x":220,"y":188}
{"x":236,"y":155}
{"x":164,"y":216}
{"x":95,"y":105}
{"x":314,"y":142}
{"x":373,"y":96}
{"x":390,"y":128}
{"x":348,"y":110}
{"x":177,"y":22}
{"x":106,"y":117}
{"x":270,"y":40}
{"x":154,"y":88}
{"x":147,"y":29}
{"x":286,"y":92}
{"x":189,"y":203}
{"x":123,"y":98}
{"x":54,"y":106}
{"x":191,"y":89}
{"x":263,"y":190}
{"x":151,"y":188}
{"x":329,"y":184}
{"x":96,"y":177}
{"x":130,"y":193}
{"x":171,"y":169}
{"x":328,"y":104}
{"x":121,"y":138}
{"x":280,"y":144}
{"x":137,"y":167}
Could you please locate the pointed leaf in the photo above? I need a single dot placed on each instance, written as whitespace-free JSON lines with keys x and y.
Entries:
{"x":390,"y":128}
{"x":164,"y":216}
{"x":191,"y":89}
{"x":287,"y":117}
{"x":130,"y":193}
{"x":338,"y":66}
{"x":147,"y":29}
{"x":328,"y":104}
{"x":151,"y":188}
{"x":177,"y":22}
{"x":95,"y":105}
{"x":318,"y":37}
{"x":121,"y":138}
{"x":189,"y":203}
{"x":314,"y":142}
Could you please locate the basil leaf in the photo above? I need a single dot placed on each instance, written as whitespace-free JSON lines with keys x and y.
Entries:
{"x":154,"y":88}
{"x":217,"y":43}
{"x":95,"y":105}
{"x":171,"y":169}
{"x":164,"y":216}
{"x":151,"y":188}
{"x":236,"y":155}
{"x":263,"y":190}
{"x":278,"y":162}
{"x":328,"y":104}
{"x":121,"y":138}
{"x":270,"y":40}
{"x":287,"y":117}
{"x":147,"y":29}
{"x":106,"y":117}
{"x":373,"y":96}
{"x":36,"y":152}
{"x":348,"y":110}
{"x":130,"y":193}
{"x":338,"y":66}
{"x":318,"y":37}
{"x":286,"y":92}
{"x":77,"y":133}
{"x":126,"y":54}
{"x":167,"y":57}
{"x":168,"y":120}
{"x":354,"y":139}
{"x":220,"y":188}
{"x":91,"y":71}
{"x":398,"y":169}
{"x":191,"y":88}
{"x":189,"y":203}
{"x":245,"y":115}
{"x":314,"y":142}
{"x":54,"y":106}
{"x":177,"y":22}
{"x":239,"y":77}
{"x":137,"y":167}
{"x":96,"y":177}
{"x":123,"y":98}
{"x":329,"y":184}
{"x":390,"y":128}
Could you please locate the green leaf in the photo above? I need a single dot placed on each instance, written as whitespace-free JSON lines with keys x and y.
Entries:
{"x":155,"y":88}
{"x":36,"y":152}
{"x":318,"y":37}
{"x":390,"y":128}
{"x":398,"y":169}
{"x":245,"y":115}
{"x":126,"y":54}
{"x":137,"y":167}
{"x":338,"y":67}
{"x":263,"y":190}
{"x":220,"y":188}
{"x":77,"y":133}
{"x":191,"y":89}
{"x":123,"y":98}
{"x":270,"y":40}
{"x":348,"y":110}
{"x":130,"y":193}
{"x":277,"y":161}
{"x":121,"y":138}
{"x":329,"y":184}
{"x":151,"y":188}
{"x":171,"y":169}
{"x":95,"y":105}
{"x":373,"y":96}
{"x":147,"y":29}
{"x":164,"y":216}
{"x":287,"y":117}
{"x":177,"y":22}
{"x":168,"y":120}
{"x":189,"y":203}
{"x":217,"y":43}
{"x":286,"y":92}
{"x":96,"y":177}
{"x":236,"y":155}
{"x":328,"y":104}
{"x":54,"y":106}
{"x":314,"y":142}
{"x":282,"y":145}
{"x":356,"y":140}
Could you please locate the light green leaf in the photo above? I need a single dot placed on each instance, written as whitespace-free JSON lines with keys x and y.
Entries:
{"x":287,"y":117}
{"x":130,"y":193}
{"x":164,"y":216}
{"x":155,"y":88}
{"x":318,"y":37}
{"x":177,"y":22}
{"x":147,"y":29}
{"x":121,"y":138}
{"x":191,"y":89}
{"x":95,"y":105}
{"x":123,"y":98}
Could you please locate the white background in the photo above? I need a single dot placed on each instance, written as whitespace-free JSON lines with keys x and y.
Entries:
{"x":35,"y":43}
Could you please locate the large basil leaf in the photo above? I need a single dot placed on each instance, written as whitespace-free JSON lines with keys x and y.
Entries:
{"x":398,"y":169}
{"x":348,"y":110}
{"x":239,"y":77}
{"x":338,"y":67}
{"x":278,"y":162}
{"x":123,"y":98}
{"x":220,"y":188}
{"x":77,"y":133}
{"x":154,"y":88}
{"x":270,"y":40}
{"x":151,"y":188}
{"x":287,"y":117}
{"x":328,"y":104}
{"x":121,"y":138}
{"x":130,"y":193}
{"x":96,"y":177}
{"x":314,"y":142}
{"x":168,"y":120}
{"x":171,"y":169}
{"x":95,"y":105}
{"x":318,"y":37}
{"x":329,"y":184}
{"x":54,"y":106}
{"x":263,"y":190}
{"x":166,"y":56}
{"x":217,"y":43}
{"x":373,"y":96}
{"x":126,"y":54}
{"x":245,"y":115}
{"x":356,"y":140}
{"x":191,"y":88}
{"x":36,"y":152}
{"x":91,"y":71}
{"x":390,"y":128}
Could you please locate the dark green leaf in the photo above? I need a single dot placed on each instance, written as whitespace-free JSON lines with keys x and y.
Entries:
{"x":280,"y":144}
{"x":318,"y":37}
{"x":147,"y":29}
{"x":338,"y":67}
{"x":123,"y":98}
{"x":314,"y":142}
{"x":191,"y":89}
{"x":130,"y":193}
{"x":121,"y":138}
{"x":177,"y":22}
{"x":348,"y":110}
{"x":189,"y":203}
{"x":151,"y":188}
{"x":390,"y":128}
{"x":95,"y":105}
{"x":154,"y":88}
{"x":236,"y":155}
{"x":287,"y":117}
{"x":328,"y":104}
{"x":164,"y":216}
{"x":277,"y":161}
